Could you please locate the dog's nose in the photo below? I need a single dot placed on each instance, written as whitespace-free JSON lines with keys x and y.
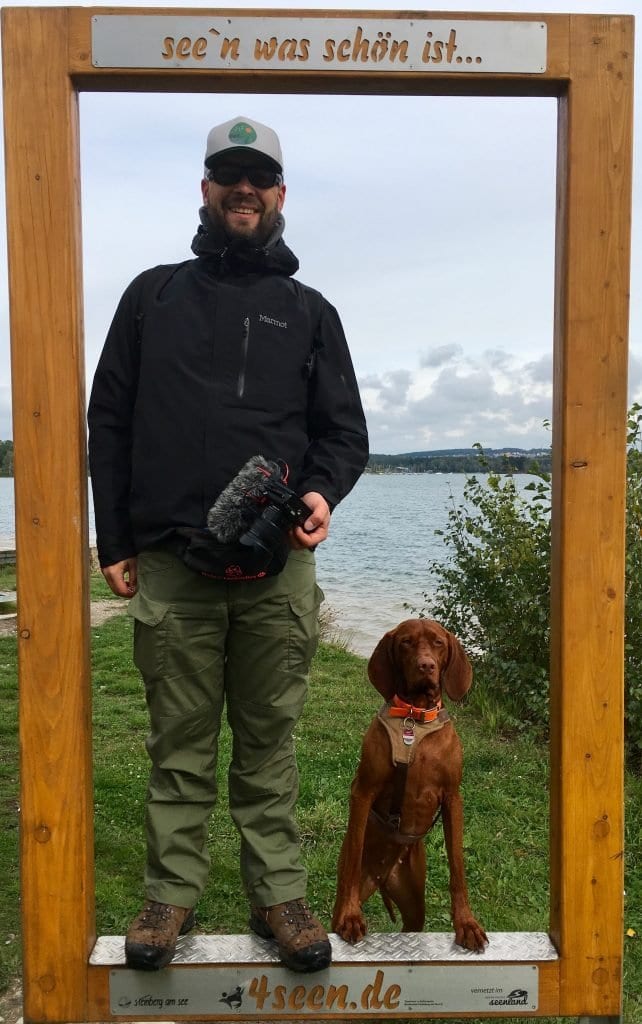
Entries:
{"x":426,"y":663}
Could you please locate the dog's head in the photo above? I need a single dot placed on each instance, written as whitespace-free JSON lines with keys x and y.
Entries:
{"x":416,"y":659}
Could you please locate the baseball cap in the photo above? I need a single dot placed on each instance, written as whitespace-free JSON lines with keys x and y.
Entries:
{"x":240,"y":135}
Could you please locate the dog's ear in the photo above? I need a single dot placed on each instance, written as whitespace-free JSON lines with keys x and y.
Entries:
{"x":381,"y":666}
{"x":457,"y":677}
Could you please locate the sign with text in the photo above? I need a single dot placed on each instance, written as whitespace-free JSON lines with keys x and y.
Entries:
{"x":272,"y":991}
{"x":318,"y":44}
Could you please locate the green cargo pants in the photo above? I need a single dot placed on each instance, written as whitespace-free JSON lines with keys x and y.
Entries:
{"x":199,"y":643}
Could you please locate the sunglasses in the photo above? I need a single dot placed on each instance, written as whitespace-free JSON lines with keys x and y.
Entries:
{"x":231,"y":174}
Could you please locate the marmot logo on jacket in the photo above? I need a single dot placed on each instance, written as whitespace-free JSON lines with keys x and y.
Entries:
{"x":270,"y":320}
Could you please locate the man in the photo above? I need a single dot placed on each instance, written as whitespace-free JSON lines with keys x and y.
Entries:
{"x":207,"y":364}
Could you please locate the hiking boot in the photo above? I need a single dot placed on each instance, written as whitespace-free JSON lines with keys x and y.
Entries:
{"x":302,"y":940}
{"x":150,"y":942}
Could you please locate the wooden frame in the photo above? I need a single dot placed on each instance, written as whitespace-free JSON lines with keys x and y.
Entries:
{"x":46,"y":60}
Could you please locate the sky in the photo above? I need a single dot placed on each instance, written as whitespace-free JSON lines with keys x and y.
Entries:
{"x":427,"y":221}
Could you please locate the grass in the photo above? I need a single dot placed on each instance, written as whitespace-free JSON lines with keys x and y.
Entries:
{"x":98,"y":589}
{"x":505,"y":794}
{"x":9,"y":886}
{"x":8,"y":577}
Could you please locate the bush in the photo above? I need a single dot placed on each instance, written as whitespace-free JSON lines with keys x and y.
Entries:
{"x":493,"y":591}
{"x":6,"y":458}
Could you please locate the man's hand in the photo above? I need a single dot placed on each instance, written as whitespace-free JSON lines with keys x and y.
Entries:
{"x":315,"y":528}
{"x":122,"y":577}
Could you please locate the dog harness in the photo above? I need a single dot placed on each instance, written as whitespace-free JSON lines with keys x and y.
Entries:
{"x":406,"y":726}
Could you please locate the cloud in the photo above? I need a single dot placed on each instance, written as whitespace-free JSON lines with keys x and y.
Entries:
{"x":441,"y":354}
{"x":497,"y":358}
{"x":635,"y":378}
{"x":540,"y":370}
{"x":391,"y":389}
{"x":5,"y":412}
{"x":492,"y":402}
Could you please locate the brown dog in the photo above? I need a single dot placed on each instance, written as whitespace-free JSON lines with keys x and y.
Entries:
{"x":410,"y":769}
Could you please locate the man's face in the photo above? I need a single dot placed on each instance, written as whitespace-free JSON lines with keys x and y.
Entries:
{"x":242,"y":209}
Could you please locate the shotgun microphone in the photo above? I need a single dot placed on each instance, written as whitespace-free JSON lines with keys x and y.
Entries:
{"x":238,"y":505}
{"x":257,"y":508}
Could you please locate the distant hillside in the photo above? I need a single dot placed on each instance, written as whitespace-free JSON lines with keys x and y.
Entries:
{"x":464,"y":460}
{"x":532,"y":453}
{"x":441,"y":460}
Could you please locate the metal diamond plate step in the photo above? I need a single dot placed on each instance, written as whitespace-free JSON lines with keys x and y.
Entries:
{"x":419,"y":947}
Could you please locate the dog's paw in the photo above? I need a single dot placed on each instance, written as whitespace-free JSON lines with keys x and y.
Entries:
{"x":471,"y":935}
{"x":351,"y":927}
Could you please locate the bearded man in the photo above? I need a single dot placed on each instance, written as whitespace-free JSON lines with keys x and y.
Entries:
{"x":207,"y":364}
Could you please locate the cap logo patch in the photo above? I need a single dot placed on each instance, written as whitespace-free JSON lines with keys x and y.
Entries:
{"x":242,"y":134}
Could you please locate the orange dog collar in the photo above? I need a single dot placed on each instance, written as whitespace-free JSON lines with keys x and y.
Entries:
{"x":400,"y":709}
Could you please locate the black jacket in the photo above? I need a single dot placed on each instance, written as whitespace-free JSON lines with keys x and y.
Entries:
{"x":206,"y":364}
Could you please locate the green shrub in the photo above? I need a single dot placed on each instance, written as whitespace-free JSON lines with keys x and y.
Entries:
{"x":493,"y":591}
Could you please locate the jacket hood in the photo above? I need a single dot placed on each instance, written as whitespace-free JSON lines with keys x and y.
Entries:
{"x":241,"y":256}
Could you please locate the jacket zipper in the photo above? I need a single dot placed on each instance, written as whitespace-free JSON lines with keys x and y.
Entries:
{"x":245,"y":342}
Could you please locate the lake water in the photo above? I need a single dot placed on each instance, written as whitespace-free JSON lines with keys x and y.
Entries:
{"x":376,"y":558}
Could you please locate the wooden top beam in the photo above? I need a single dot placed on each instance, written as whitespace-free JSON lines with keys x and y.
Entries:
{"x":356,"y":81}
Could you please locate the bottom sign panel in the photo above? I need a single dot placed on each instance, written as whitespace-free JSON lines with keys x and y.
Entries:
{"x":264,"y":990}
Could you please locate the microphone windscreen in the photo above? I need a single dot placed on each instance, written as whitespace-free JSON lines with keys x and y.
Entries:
{"x":237,"y":505}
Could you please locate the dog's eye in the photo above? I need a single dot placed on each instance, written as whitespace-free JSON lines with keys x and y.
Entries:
{"x":405,"y":640}
{"x":438,"y":642}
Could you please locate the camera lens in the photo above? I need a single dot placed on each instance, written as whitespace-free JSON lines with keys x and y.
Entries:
{"x":267,"y":531}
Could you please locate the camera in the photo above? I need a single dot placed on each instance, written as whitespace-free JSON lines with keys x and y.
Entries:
{"x":283,"y":509}
{"x":257,"y":508}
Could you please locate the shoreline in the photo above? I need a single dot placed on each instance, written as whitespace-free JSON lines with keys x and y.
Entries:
{"x":356,"y":622}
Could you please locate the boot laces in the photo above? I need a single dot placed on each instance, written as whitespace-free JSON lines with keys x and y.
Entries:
{"x":298,"y":914}
{"x":154,"y":914}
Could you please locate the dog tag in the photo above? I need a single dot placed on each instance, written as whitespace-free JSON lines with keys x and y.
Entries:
{"x":408,"y":731}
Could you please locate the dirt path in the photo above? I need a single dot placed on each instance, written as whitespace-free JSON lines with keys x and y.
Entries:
{"x":100,"y":611}
{"x":11,"y":1004}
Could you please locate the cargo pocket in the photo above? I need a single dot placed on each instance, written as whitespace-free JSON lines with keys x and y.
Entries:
{"x":303,"y":635}
{"x":150,"y":635}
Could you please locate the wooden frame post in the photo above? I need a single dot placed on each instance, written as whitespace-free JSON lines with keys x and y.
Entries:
{"x":589,"y":476}
{"x":45,"y":289}
{"x":46,"y":60}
